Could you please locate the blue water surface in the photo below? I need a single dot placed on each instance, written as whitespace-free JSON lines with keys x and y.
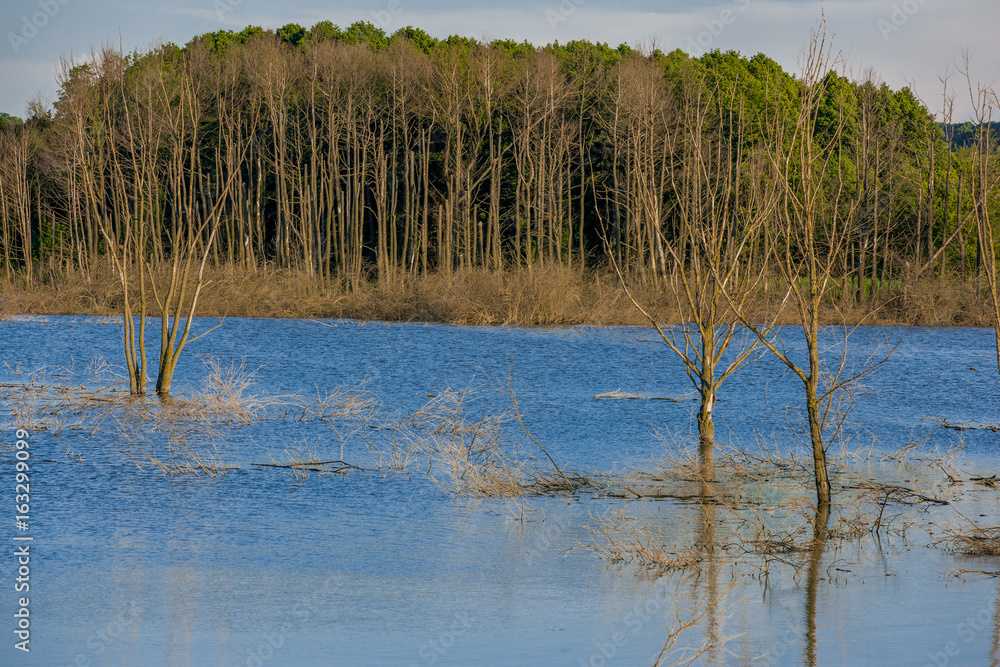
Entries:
{"x":254,"y":567}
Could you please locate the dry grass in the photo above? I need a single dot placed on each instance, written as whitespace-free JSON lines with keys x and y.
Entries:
{"x":541,"y":295}
{"x":176,"y":434}
{"x":176,"y":454}
{"x":544,"y":294}
{"x":970,"y":539}
{"x":622,"y":538}
{"x":54,"y":400}
{"x":462,"y":439}
{"x":941,"y":301}
{"x":402,"y":451}
{"x":758,"y":510}
{"x":229,"y":392}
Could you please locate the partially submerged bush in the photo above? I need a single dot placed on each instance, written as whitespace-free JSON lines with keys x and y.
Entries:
{"x":969,"y":539}
{"x":622,"y":538}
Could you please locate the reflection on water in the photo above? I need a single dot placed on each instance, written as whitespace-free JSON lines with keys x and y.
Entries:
{"x":258,"y":567}
{"x":812,"y":579}
{"x":995,"y":645}
{"x":707,"y":541}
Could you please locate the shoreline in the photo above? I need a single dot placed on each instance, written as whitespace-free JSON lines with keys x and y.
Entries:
{"x":540,"y":296}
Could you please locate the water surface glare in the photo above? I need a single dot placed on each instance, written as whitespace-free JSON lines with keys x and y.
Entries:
{"x":258,"y":567}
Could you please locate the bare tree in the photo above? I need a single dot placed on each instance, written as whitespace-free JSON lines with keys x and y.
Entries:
{"x":15,"y":200}
{"x":110,"y":156}
{"x":810,"y":228}
{"x":721,"y":193}
{"x":984,"y":182}
{"x":196,"y":204}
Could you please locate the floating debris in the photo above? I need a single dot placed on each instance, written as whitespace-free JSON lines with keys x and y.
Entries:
{"x":618,"y":393}
{"x":970,"y":426}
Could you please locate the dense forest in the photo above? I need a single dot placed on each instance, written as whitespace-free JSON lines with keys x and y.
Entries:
{"x":350,"y":154}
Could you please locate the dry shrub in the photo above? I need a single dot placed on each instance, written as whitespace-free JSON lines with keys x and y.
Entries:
{"x":177,"y":455}
{"x":622,"y":538}
{"x":767,"y":533}
{"x":473,"y":451}
{"x":969,"y":539}
{"x":738,"y":473}
{"x":56,"y":400}
{"x":402,"y":450}
{"x":231,"y":396}
{"x":470,"y":450}
{"x":543,"y":294}
{"x":941,"y":301}
{"x":758,"y":508}
{"x":62,"y":399}
{"x":228,"y":392}
{"x":455,"y":434}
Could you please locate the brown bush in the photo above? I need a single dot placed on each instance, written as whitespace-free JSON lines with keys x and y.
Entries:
{"x":541,"y":295}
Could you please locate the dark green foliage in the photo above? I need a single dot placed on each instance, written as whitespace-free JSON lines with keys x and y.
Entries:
{"x":221,"y":40}
{"x":363,"y":32}
{"x":419,"y":38}
{"x":516,"y":50}
{"x":291,"y":33}
{"x":9,"y":122}
{"x":324,"y":31}
{"x":965,"y":134}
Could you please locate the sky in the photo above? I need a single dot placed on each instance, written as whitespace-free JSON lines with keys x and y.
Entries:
{"x":912,"y":43}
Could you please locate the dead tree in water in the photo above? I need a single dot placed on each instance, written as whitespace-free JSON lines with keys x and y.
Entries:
{"x":695,"y":154}
{"x":115,"y":168}
{"x":810,"y":231}
{"x":194,"y":224}
{"x":143,"y":168}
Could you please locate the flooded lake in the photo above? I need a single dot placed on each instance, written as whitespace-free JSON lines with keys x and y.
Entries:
{"x":263,"y":566}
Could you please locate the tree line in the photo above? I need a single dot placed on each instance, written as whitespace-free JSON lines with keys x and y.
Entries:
{"x":351,"y":154}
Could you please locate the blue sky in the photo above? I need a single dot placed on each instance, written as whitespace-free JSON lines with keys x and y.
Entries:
{"x":903,"y":41}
